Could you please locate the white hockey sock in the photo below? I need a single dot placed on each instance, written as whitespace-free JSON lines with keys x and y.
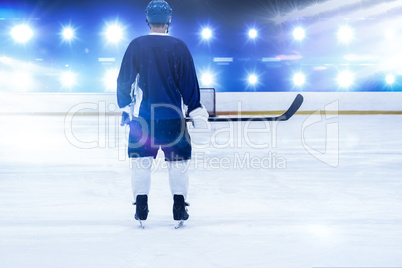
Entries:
{"x":141,"y":175}
{"x":178,"y":177}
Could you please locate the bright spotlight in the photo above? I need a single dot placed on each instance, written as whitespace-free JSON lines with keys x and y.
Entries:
{"x":299,"y":33}
{"x":114,"y":33}
{"x":252,"y":79}
{"x":110,"y":79}
{"x":21,"y":33}
{"x":207,"y":79}
{"x":68,"y":79}
{"x":68,"y":33}
{"x":299,"y":79}
{"x":206,"y":33}
{"x":345,"y":34}
{"x":390,"y":79}
{"x":345,"y":79}
{"x":252,"y":33}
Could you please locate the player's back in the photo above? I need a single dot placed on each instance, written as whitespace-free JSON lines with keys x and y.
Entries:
{"x":160,"y":61}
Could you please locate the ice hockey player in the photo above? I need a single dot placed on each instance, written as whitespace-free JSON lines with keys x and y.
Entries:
{"x":157,"y":76}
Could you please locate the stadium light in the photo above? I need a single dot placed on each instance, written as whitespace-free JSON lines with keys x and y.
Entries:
{"x":68,"y":33}
{"x":114,"y":33}
{"x":68,"y":79}
{"x":390,"y":79}
{"x":252,"y":33}
{"x":345,"y":79}
{"x":207,"y":79}
{"x":299,"y":33}
{"x":252,"y":79}
{"x":206,"y":33}
{"x":345,"y":34}
{"x":21,"y":33}
{"x":299,"y":79}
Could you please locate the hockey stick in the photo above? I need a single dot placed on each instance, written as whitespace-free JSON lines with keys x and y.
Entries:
{"x":298,"y":101}
{"x":293,"y":108}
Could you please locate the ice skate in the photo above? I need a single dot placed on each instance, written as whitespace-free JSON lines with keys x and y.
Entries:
{"x":141,"y":210}
{"x":179,"y":210}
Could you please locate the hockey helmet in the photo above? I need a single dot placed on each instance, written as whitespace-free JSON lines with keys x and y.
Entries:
{"x":158,"y":12}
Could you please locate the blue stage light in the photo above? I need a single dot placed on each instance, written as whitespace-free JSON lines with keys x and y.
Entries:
{"x":299,"y":79}
{"x":252,"y":79}
{"x":345,"y":34}
{"x":207,"y":79}
{"x":299,"y":33}
{"x":206,"y":33}
{"x":252,"y":33}
{"x":390,"y":79}
{"x":345,"y":79}
{"x":21,"y":33}
{"x":114,"y":33}
{"x":68,"y":33}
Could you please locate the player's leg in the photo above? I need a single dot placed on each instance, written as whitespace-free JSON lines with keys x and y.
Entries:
{"x":141,"y":184}
{"x":142,"y":154}
{"x":178,"y":177}
{"x":176,"y":145}
{"x":179,"y":181}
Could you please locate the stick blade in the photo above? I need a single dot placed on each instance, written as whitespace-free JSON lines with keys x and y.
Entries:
{"x":294,"y":107}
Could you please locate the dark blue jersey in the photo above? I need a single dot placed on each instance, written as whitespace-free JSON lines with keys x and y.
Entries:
{"x":166,"y":77}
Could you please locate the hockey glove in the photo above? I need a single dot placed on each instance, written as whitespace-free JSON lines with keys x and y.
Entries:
{"x":200,"y":135}
{"x":127,"y":114}
{"x":200,"y":118}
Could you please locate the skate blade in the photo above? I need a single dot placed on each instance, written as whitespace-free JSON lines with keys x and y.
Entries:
{"x":178,"y":224}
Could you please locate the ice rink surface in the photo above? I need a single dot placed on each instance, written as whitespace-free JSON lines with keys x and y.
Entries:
{"x":299,"y":201}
